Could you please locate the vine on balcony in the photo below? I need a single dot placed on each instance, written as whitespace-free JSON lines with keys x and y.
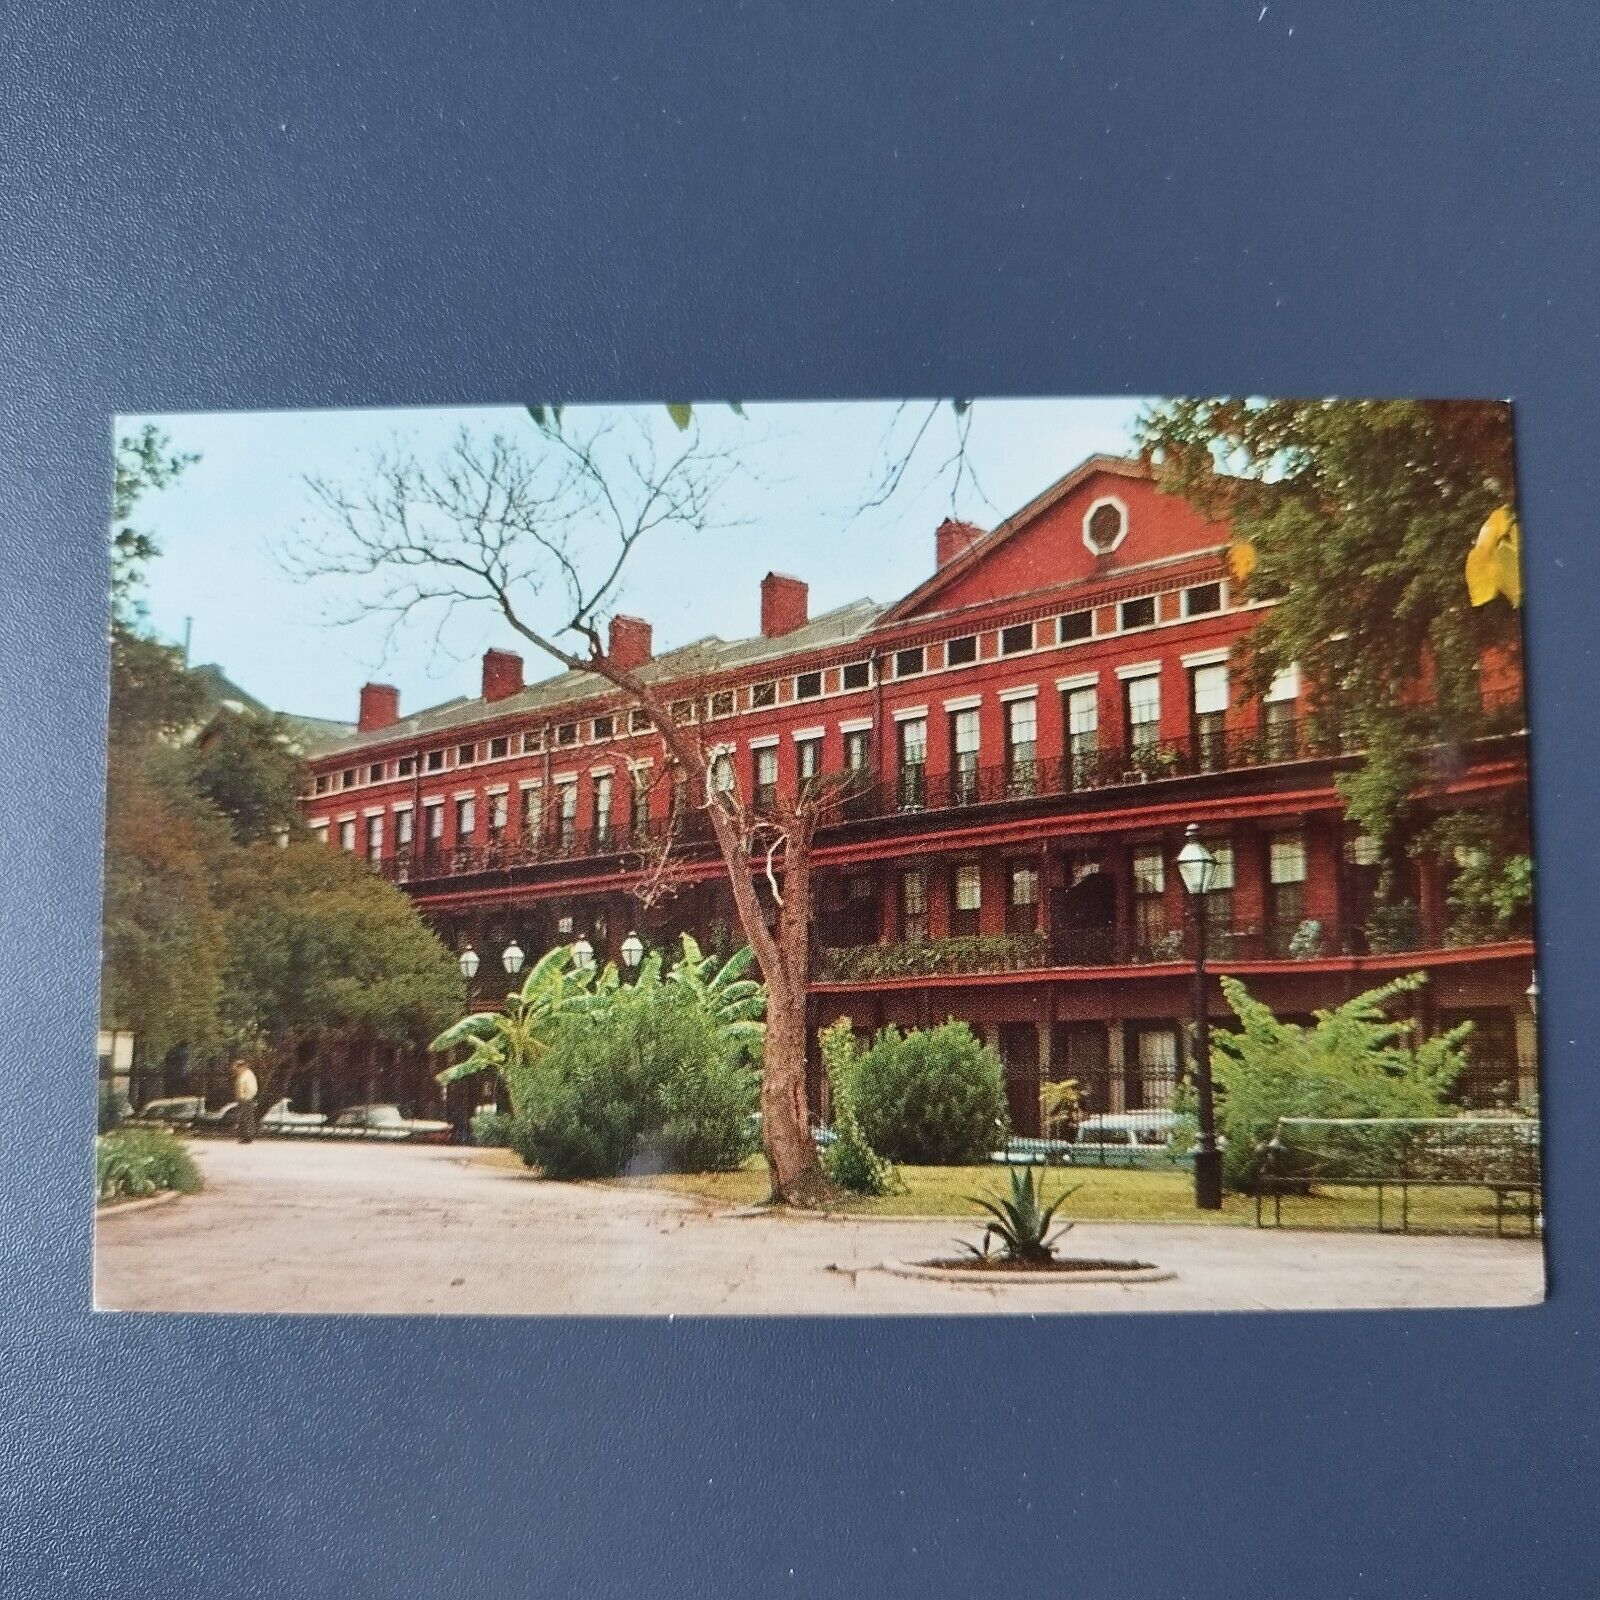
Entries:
{"x":1010,"y":952}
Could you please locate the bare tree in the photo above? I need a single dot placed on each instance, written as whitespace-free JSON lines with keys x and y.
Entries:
{"x":545,"y":538}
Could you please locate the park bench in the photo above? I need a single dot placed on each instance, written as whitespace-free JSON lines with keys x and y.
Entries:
{"x":1499,"y":1155}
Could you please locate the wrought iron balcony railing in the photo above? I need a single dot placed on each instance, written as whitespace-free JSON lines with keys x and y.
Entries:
{"x":1148,"y":942}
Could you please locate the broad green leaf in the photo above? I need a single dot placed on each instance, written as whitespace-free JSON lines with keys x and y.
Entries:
{"x":682,"y":415}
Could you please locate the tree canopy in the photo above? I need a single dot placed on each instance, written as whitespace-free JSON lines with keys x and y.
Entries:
{"x":1356,"y":518}
{"x":214,"y":937}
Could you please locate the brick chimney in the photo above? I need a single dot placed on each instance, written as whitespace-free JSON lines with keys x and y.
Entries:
{"x":631,"y":642}
{"x":380,"y":707}
{"x":954,"y":539}
{"x":502,"y":674}
{"x":785,"y":604}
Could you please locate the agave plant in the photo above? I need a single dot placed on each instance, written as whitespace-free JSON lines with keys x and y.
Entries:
{"x":509,"y":1041}
{"x":1021,"y":1224}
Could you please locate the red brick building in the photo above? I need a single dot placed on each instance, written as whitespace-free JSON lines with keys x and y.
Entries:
{"x":1027,"y":734}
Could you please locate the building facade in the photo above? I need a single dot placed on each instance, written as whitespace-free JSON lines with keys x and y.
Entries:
{"x":1016,"y":746}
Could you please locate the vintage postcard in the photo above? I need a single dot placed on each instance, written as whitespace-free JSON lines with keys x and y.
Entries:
{"x":930,"y":857}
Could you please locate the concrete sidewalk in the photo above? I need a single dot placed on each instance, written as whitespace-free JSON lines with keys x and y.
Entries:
{"x":432,"y":1230}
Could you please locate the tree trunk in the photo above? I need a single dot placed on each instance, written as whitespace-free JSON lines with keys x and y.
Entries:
{"x":796,"y":1168}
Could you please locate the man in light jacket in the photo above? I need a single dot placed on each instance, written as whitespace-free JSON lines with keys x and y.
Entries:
{"x":245,"y":1089}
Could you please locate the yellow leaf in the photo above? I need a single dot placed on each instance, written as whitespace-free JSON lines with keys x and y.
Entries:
{"x":1242,"y":559}
{"x":1494,"y":563}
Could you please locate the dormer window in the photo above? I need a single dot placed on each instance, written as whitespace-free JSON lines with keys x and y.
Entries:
{"x":1105,"y":526}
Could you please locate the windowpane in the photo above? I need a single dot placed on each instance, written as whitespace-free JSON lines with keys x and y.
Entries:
{"x":907,"y":663}
{"x":1139,"y":613}
{"x":1018,"y":638}
{"x":1202,"y":599}
{"x":1149,"y":870}
{"x":1286,"y":858}
{"x":1083,"y":712}
{"x":1024,"y":886}
{"x":1077,"y":625}
{"x":965,"y":733}
{"x":1144,"y":699}
{"x":858,"y":675}
{"x":914,"y":741}
{"x":1211,"y":688}
{"x":968,"y":887}
{"x":808,"y":757}
{"x":961,"y":652}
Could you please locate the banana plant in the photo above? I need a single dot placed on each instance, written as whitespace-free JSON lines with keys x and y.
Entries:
{"x":510,"y":1040}
{"x":736,"y":1003}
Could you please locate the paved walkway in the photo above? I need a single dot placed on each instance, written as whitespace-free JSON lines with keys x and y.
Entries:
{"x":282,"y":1226}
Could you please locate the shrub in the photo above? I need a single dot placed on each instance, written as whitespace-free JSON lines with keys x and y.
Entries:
{"x":1355,"y":1061}
{"x":849,"y":1161}
{"x":491,"y":1127}
{"x":934,"y":1097}
{"x":142,"y":1161}
{"x":650,"y":1078}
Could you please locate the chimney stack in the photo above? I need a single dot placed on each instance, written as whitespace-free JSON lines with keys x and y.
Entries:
{"x":785,"y":605}
{"x":502,"y":674}
{"x":954,"y":539}
{"x":630,"y":643}
{"x":380,"y":707}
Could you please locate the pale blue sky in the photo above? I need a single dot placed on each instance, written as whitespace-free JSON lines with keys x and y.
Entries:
{"x":811,"y":468}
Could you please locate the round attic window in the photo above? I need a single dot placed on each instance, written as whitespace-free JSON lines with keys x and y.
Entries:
{"x":1105,"y":526}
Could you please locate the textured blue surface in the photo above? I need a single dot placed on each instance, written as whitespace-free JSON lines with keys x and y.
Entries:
{"x":328,"y":204}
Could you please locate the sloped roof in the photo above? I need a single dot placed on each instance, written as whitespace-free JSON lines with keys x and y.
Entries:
{"x":314,"y":735}
{"x":700,"y":657}
{"x":981,"y":549}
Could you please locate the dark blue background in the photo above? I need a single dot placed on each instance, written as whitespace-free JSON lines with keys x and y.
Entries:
{"x":336,"y":204}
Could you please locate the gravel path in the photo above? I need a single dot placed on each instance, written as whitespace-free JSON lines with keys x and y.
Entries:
{"x":426,"y":1230}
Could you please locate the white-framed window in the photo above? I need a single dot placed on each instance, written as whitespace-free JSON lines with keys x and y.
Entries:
{"x":1022,"y":745}
{"x":1144,"y":711}
{"x":347,"y":834}
{"x":965,"y":745}
{"x":914,"y":905}
{"x":1083,"y":733}
{"x":968,"y":887}
{"x":403,"y":827}
{"x":374,"y":838}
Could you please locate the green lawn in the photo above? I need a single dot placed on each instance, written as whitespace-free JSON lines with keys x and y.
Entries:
{"x":1110,"y":1195}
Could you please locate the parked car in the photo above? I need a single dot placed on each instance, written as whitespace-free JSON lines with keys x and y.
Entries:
{"x":223,"y":1120}
{"x":176,"y":1111}
{"x":386,"y":1122}
{"x":281,"y":1117}
{"x":1125,"y":1130}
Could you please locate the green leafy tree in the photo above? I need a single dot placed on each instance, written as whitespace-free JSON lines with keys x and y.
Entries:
{"x":1355,"y":517}
{"x":1356,"y":1060}
{"x":249,"y":768}
{"x":322,"y":950}
{"x":163,"y":939}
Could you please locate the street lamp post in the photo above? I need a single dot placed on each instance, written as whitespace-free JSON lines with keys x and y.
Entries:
{"x":1197,"y":866}
{"x":511,"y":958}
{"x":632,"y":952}
{"x":583,"y":955}
{"x":1533,"y":995}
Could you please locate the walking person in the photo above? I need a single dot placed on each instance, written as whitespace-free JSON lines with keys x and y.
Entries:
{"x":245,"y":1089}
